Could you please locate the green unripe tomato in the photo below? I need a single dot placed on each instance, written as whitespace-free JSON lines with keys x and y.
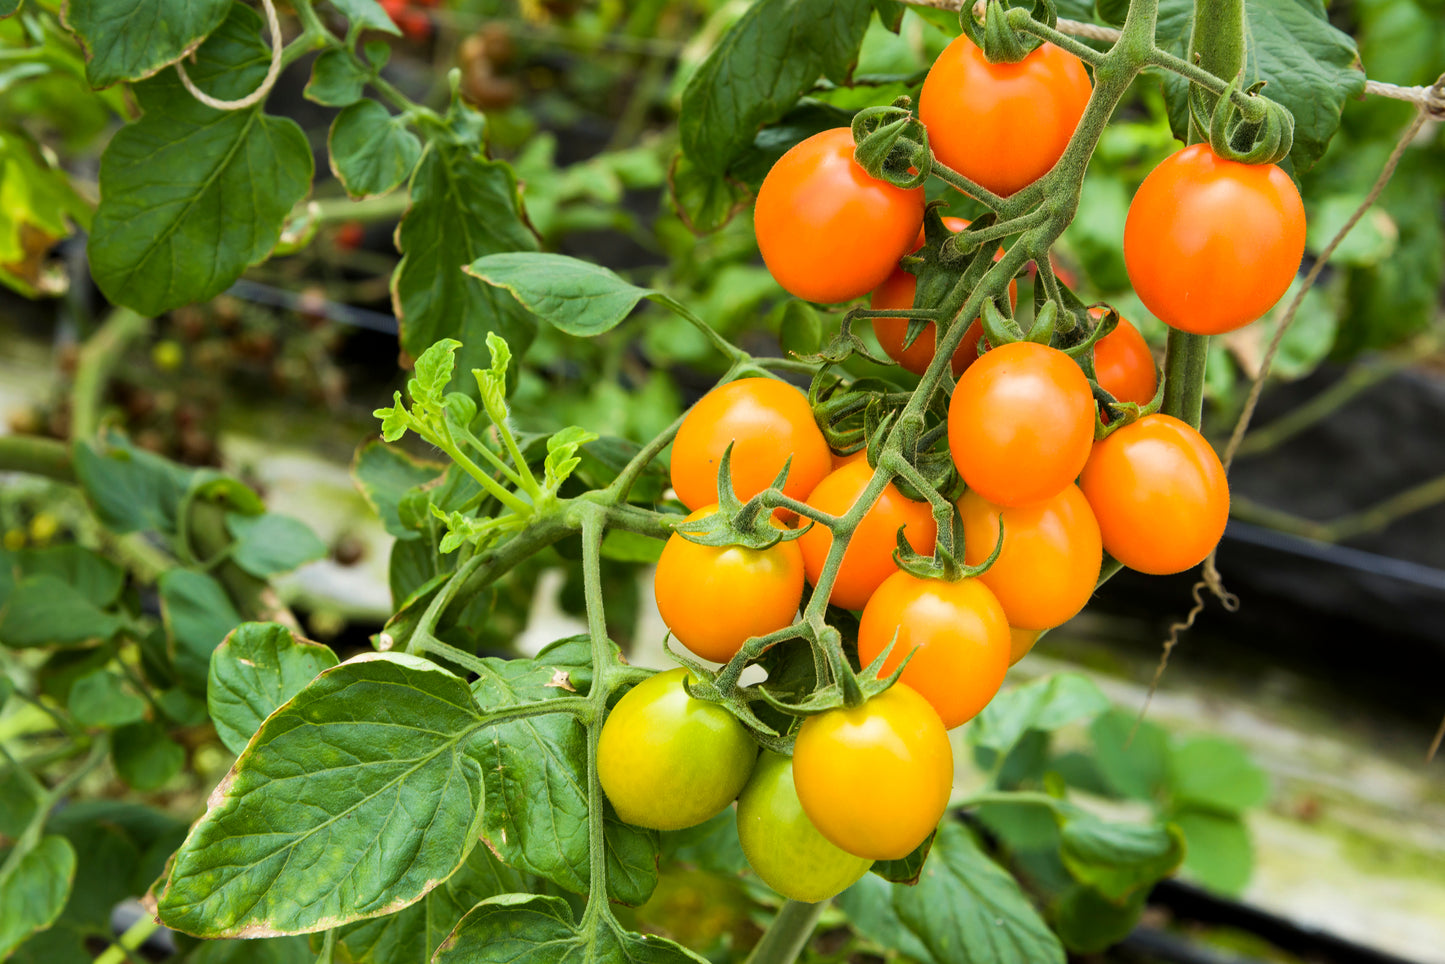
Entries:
{"x":781,"y":843}
{"x":668,"y":761}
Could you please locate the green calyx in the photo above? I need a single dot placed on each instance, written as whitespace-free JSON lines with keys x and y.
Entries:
{"x":999,"y":36}
{"x":1249,"y":128}
{"x":736,"y":523}
{"x":892,"y":144}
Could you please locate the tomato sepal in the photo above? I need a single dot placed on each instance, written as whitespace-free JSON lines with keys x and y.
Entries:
{"x":1245,"y":126}
{"x":1001,"y":41}
{"x":905,"y":870}
{"x":892,"y":145}
{"x":738,"y":523}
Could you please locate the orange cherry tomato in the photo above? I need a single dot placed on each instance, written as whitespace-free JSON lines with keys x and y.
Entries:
{"x":1002,"y":125}
{"x":1021,"y":423}
{"x":829,"y":232}
{"x":897,"y":292}
{"x":875,"y":779}
{"x":1123,"y":364}
{"x":715,"y":598}
{"x":1159,"y":493}
{"x":1212,"y":244}
{"x":1050,"y":559}
{"x":841,"y":460}
{"x":1021,"y":642}
{"x":868,"y":559}
{"x":766,"y":421}
{"x":956,"y":631}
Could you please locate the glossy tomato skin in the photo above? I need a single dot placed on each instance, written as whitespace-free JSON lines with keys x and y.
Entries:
{"x":1002,"y":125}
{"x":827,"y":231}
{"x":875,"y":779}
{"x":1050,"y":559}
{"x":713,"y":598}
{"x":781,"y":843}
{"x":1212,"y":244}
{"x":1159,"y":493}
{"x":869,"y":557}
{"x":766,"y":421}
{"x":1124,"y":365}
{"x":668,"y":761}
{"x":1021,"y":423}
{"x":956,"y":631}
{"x":1021,"y":643}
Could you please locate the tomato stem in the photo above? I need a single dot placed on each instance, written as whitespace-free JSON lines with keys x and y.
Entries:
{"x":788,"y":934}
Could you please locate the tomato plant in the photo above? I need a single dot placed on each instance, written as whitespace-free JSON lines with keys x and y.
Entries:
{"x":1021,"y":423}
{"x":1159,"y":494}
{"x":668,"y":761}
{"x":1211,"y":243}
{"x":957,"y":635}
{"x":874,"y":779}
{"x":781,"y":843}
{"x":826,"y":229}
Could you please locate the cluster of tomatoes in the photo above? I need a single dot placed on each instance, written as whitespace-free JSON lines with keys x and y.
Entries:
{"x":411,"y":17}
{"x":1210,"y":244}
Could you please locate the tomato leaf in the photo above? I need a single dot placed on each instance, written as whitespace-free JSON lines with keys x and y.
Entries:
{"x":1087,"y":923}
{"x":1309,"y":66}
{"x":43,"y":611}
{"x":198,"y":616}
{"x":40,"y":205}
{"x":1132,"y":755}
{"x":870,"y":910}
{"x":526,"y":928}
{"x":145,"y":756}
{"x":1213,"y":773}
{"x":535,"y":817}
{"x":463,"y":206}
{"x":271,"y":543}
{"x":1119,"y":860}
{"x":384,"y":475}
{"x":256,"y":669}
{"x":762,"y":65}
{"x":391,"y":815}
{"x":93,"y":576}
{"x":1044,"y":704}
{"x":191,"y":196}
{"x":574,"y":296}
{"x":130,"y":489}
{"x":371,"y":150}
{"x":35,"y":888}
{"x":101,"y":698}
{"x":337,"y":80}
{"x":367,"y":13}
{"x":967,"y":907}
{"x":8,"y":7}
{"x":1219,"y":853}
{"x":132,"y":39}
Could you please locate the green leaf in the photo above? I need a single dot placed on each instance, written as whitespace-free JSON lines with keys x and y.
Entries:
{"x":966,"y":907}
{"x":620,"y":545}
{"x":1309,"y":67}
{"x":1134,"y":762}
{"x":107,"y":861}
{"x":1044,"y":704}
{"x":562,"y":455}
{"x":1119,"y":859}
{"x":288,"y":846}
{"x":535,"y":815}
{"x":145,"y":757}
{"x":762,"y":65}
{"x":336,"y":79}
{"x":198,"y":616}
{"x":1311,"y":335}
{"x":132,"y":39}
{"x":367,"y":13}
{"x":101,"y":698}
{"x":415,"y":933}
{"x":35,"y":890}
{"x":1213,"y":773}
{"x":536,"y":929}
{"x":905,"y":870}
{"x":463,"y":206}
{"x":131,"y":490}
{"x":574,"y":296}
{"x":1372,"y":240}
{"x":259,"y":667}
{"x":1087,"y":923}
{"x":39,"y":206}
{"x":269,"y":544}
{"x":869,"y":906}
{"x":8,"y":7}
{"x":191,"y":196}
{"x":92,"y":575}
{"x":385,"y":474}
{"x":276,"y":950}
{"x":371,"y":150}
{"x":44,"y":611}
{"x":434,"y":372}
{"x":1219,"y":854}
{"x":704,"y":200}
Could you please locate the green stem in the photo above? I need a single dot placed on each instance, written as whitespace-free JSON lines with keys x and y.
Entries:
{"x":434,"y":610}
{"x":501,"y":493}
{"x":1061,"y":40}
{"x":788,"y":934}
{"x":101,"y":352}
{"x":593,"y":525}
{"x":34,"y":455}
{"x":1185,"y":357}
{"x":135,"y":935}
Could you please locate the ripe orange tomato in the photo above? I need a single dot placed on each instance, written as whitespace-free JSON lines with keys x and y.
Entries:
{"x":829,"y":232}
{"x":1050,"y":559}
{"x":766,"y":421}
{"x":868,"y":559}
{"x":897,"y":292}
{"x":1123,"y":364}
{"x":1159,"y":493}
{"x":1021,"y":423}
{"x":841,"y":460}
{"x":957,"y":632}
{"x":1002,"y":125}
{"x":1021,"y":641}
{"x":874,"y":779}
{"x":1212,"y":244}
{"x":714,"y":598}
